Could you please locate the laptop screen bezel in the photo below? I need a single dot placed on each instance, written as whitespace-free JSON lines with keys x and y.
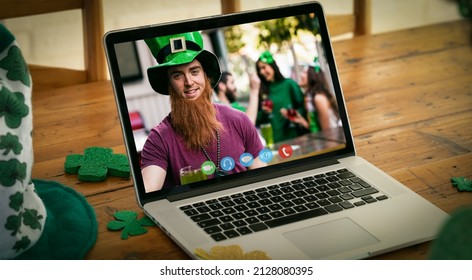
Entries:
{"x":139,"y":33}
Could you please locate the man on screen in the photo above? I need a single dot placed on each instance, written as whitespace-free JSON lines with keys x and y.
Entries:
{"x":197,"y":134}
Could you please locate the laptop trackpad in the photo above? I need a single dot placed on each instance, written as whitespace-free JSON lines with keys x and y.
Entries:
{"x":327,"y":239}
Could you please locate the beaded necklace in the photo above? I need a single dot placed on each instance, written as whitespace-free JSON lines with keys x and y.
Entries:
{"x":218,"y":152}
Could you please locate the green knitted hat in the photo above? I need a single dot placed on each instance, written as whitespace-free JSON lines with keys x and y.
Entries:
{"x":179,"y":49}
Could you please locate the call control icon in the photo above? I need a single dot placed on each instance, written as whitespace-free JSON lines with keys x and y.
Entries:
{"x":227,"y":164}
{"x":246,"y":159}
{"x":285,"y":151}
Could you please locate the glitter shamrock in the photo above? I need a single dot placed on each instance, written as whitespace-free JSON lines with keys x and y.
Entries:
{"x":129,"y":224}
{"x":96,"y":164}
{"x":462,"y":184}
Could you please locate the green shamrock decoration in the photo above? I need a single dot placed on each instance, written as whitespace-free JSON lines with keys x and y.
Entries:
{"x":31,"y":218}
{"x":129,"y":224}
{"x":22,"y":244}
{"x":462,"y":184}
{"x":16,"y":201}
{"x":14,"y":224}
{"x":9,"y":143}
{"x":11,"y":171}
{"x":12,"y":107}
{"x":96,"y":164}
{"x":28,"y":217}
{"x":16,"y":66}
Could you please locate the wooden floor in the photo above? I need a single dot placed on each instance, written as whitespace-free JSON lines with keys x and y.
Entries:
{"x":409,"y":97}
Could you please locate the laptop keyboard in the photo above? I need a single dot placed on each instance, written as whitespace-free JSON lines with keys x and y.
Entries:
{"x":272,"y":206}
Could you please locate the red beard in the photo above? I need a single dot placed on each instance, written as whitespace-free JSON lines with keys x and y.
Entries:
{"x":195,"y":120}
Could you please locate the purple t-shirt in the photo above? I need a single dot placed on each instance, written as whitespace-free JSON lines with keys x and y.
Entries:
{"x":167,"y":150}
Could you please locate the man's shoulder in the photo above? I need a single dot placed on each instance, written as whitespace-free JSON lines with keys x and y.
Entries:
{"x":222,"y":108}
{"x":228,"y":110}
{"x":164,"y":126}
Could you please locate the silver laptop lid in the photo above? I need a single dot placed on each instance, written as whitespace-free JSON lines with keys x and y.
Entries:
{"x":296,"y":38}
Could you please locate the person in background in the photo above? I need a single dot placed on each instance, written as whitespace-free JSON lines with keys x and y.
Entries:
{"x":281,"y":101}
{"x":196,"y":131}
{"x":227,"y":93}
{"x":323,"y":112}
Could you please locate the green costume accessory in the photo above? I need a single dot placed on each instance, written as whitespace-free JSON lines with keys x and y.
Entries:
{"x":38,"y":219}
{"x":96,"y":164}
{"x":316,"y":64}
{"x":462,"y":184}
{"x":454,"y":240}
{"x":129,"y":224}
{"x":266,"y":57}
{"x":71,"y":227}
{"x":176,"y":50}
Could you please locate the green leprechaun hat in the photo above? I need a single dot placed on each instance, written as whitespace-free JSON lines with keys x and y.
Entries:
{"x":176,"y":50}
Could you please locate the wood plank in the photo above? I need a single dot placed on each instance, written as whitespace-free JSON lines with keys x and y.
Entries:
{"x":57,"y":120}
{"x":400,"y":107}
{"x":436,"y":177}
{"x":94,"y":53}
{"x":53,"y":170}
{"x":386,"y":47}
{"x":44,"y":78}
{"x":363,"y":13}
{"x":20,"y":8}
{"x":341,"y":24}
{"x":152,"y":245}
{"x":401,"y":73}
{"x":230,"y":6}
{"x":432,"y":182}
{"x":60,"y":128}
{"x":417,"y":143}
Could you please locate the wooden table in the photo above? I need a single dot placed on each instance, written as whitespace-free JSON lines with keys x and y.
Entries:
{"x":408,"y":93}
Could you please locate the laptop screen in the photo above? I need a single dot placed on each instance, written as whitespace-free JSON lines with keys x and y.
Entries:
{"x":277,"y":107}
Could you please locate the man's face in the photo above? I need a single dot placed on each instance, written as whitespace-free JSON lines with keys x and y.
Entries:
{"x":231,"y":90}
{"x":187,"y":80}
{"x":231,"y":86}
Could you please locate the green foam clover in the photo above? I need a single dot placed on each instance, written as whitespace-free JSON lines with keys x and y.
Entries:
{"x":462,"y":184}
{"x":96,"y":164}
{"x":128,"y":222}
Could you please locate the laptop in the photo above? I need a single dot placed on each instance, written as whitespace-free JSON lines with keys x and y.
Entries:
{"x":315,"y":199}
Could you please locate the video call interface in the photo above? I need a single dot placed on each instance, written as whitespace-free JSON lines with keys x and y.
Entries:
{"x":297,"y":50}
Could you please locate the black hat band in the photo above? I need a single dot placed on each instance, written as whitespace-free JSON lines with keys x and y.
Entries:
{"x":176,"y":46}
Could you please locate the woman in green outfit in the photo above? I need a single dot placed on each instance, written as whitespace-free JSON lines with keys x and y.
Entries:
{"x":281,"y":101}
